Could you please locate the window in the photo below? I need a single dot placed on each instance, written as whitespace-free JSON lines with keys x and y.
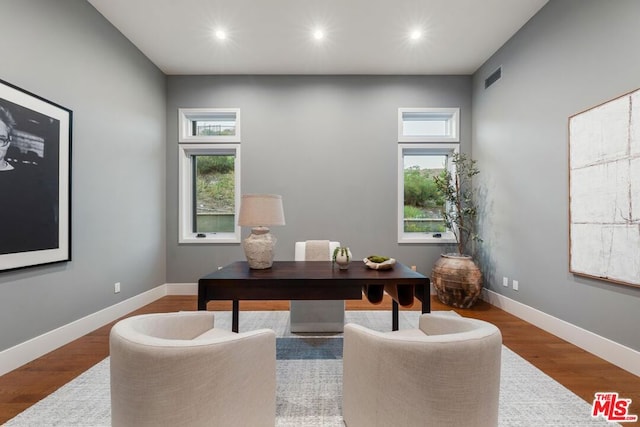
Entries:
{"x":427,"y":138}
{"x":209,"y":175}
{"x":420,"y":204}
{"x":428,"y":124}
{"x":209,"y":193}
{"x":209,"y":124}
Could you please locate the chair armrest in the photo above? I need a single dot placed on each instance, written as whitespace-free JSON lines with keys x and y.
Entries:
{"x":183,"y":325}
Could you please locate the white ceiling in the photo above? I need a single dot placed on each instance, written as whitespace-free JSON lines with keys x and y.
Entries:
{"x":275,"y":36}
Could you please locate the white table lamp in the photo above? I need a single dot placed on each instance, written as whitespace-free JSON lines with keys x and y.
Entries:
{"x":259,"y":211}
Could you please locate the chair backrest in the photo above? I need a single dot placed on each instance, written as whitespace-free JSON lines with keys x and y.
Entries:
{"x":301,"y":250}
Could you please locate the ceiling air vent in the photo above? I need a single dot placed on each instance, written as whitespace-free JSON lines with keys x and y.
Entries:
{"x":494,"y":77}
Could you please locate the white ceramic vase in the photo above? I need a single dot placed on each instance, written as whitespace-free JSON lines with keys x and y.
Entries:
{"x":342,"y":258}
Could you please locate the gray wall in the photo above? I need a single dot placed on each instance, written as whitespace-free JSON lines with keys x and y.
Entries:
{"x":328,"y":144}
{"x":572,"y":55}
{"x":66,"y":52}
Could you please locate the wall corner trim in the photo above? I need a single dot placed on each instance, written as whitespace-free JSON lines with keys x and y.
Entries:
{"x":611,"y":351}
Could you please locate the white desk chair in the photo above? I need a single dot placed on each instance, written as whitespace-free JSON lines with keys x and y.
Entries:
{"x":316,"y":316}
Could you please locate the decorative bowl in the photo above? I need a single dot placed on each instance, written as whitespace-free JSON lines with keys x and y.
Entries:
{"x":386,"y":265}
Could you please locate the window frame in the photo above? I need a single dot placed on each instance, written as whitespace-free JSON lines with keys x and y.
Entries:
{"x":186,"y":117}
{"x":185,"y":192}
{"x":454,"y":125}
{"x":448,"y":237}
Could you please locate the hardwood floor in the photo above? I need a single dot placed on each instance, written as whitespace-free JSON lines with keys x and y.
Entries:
{"x":579,"y":371}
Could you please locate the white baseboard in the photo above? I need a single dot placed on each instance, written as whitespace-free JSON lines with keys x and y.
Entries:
{"x":182,"y":289}
{"x":27,"y":351}
{"x":617,"y":354}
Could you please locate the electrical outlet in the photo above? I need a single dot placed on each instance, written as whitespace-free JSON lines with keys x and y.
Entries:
{"x":413,"y":267}
{"x":116,"y":288}
{"x":505,"y":282}
{"x":515,"y":285}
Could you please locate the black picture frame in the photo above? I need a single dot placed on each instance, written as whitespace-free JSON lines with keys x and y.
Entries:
{"x":35,"y":179}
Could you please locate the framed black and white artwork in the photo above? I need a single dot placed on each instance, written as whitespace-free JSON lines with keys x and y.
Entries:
{"x":604,"y":191}
{"x":35,"y":179}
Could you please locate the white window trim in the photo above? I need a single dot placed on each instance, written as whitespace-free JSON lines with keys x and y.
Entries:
{"x":186,"y":115}
{"x":415,"y":237}
{"x":185,"y":194}
{"x":455,"y":125}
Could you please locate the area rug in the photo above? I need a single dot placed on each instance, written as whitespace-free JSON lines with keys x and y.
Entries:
{"x":309,"y":383}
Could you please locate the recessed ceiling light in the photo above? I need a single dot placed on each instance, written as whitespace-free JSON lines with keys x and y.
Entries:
{"x":221,"y":34}
{"x":415,"y":34}
{"x":318,"y":34}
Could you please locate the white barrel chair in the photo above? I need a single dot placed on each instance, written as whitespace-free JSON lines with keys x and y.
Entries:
{"x":176,"y":369}
{"x":445,"y":373}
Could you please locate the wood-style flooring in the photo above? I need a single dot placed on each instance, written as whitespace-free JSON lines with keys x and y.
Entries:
{"x":578,"y":370}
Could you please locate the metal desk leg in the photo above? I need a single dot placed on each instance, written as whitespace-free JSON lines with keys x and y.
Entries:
{"x":234,"y":315}
{"x":202,"y":302}
{"x":395,"y":315}
{"x":426,"y":297}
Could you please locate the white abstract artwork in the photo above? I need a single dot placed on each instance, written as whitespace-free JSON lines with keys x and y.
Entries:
{"x":604,"y":191}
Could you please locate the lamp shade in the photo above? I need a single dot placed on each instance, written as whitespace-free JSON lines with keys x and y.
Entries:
{"x":261,"y":210}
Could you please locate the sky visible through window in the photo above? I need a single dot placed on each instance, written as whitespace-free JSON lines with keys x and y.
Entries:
{"x":428,"y":161}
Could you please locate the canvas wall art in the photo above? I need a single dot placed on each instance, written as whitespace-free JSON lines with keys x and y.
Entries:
{"x":604,"y":190}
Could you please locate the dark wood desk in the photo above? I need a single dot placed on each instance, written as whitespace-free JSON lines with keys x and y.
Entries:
{"x":313,"y":280}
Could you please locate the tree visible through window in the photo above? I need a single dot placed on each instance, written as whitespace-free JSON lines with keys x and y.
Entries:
{"x":209,"y":175}
{"x":420,"y":203}
{"x":427,"y":138}
{"x":214,"y":198}
{"x":423,"y":203}
{"x":209,"y":193}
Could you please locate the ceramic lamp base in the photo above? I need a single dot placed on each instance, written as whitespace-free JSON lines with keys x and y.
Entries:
{"x":259,"y":248}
